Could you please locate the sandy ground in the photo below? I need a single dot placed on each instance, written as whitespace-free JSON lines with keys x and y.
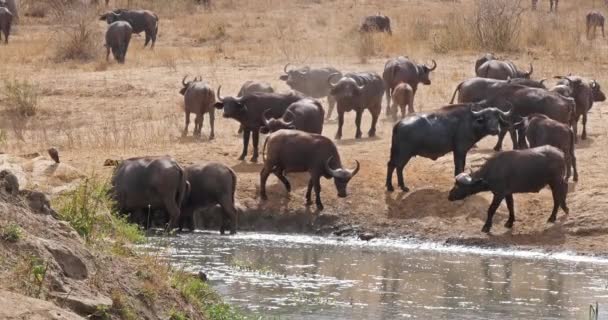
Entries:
{"x":134,"y":110}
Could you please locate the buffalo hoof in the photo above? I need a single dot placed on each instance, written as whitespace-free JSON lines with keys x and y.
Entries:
{"x":232,"y":232}
{"x":575,"y":178}
{"x":497,"y":148}
{"x":551,"y":219}
{"x":566,"y":210}
{"x":254,"y":159}
{"x":264,"y":197}
{"x":338,"y":136}
{"x":509,"y":224}
{"x":371,"y":133}
{"x":358,"y":135}
{"x":320,"y":206}
{"x":405,"y":189}
{"x":486,"y":229}
{"x":390,"y":188}
{"x":211,"y":137}
{"x":308,"y":203}
{"x":241,"y":158}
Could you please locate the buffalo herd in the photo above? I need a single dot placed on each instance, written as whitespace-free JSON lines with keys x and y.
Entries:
{"x":503,"y":98}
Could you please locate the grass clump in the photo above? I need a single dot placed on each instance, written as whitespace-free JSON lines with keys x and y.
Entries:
{"x":79,"y":40}
{"x":21,"y":97}
{"x":11,"y":233}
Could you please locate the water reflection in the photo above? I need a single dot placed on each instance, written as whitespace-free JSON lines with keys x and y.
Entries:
{"x":302,"y":277}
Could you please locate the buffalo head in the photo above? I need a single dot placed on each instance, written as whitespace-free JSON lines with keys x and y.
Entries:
{"x":466,"y":185}
{"x":489,"y":120}
{"x":233,"y":107}
{"x":294,"y":78}
{"x":598,"y":95}
{"x":346,"y":90}
{"x":424,"y":72}
{"x":341,"y":176}
{"x":272,"y":125}
{"x":526,"y":75}
{"x":110,"y":17}
{"x":186,"y":84}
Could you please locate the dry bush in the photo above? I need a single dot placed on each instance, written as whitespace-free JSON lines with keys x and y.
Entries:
{"x":497,"y":24}
{"x":454,"y":36}
{"x":79,"y":38}
{"x":366,"y":47}
{"x":21,"y":97}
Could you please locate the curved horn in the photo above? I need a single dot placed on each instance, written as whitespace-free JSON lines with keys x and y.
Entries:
{"x":285,"y":67}
{"x":531,"y":69}
{"x":542,"y":81}
{"x":219,"y":96}
{"x":593,"y":84}
{"x":434,"y":65}
{"x":292,"y":117}
{"x":476,"y":113}
{"x":184,"y":81}
{"x":507,"y":114}
{"x":331,"y":171}
{"x":564,"y":78}
{"x":329,"y":79}
{"x":264,"y":118}
{"x":356,"y":170}
{"x":464,"y":179}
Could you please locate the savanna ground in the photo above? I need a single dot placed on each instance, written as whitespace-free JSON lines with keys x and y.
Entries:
{"x":93,"y":110}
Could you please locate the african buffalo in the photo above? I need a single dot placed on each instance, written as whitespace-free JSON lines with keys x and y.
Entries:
{"x":478,"y":89}
{"x":305,"y":115}
{"x":483,"y":59}
{"x":140,"y":185}
{"x":118,"y":37}
{"x":140,"y":20}
{"x":403,"y":95}
{"x":584,"y":93}
{"x":311,"y":82}
{"x":595,"y":19}
{"x":376,"y":23}
{"x":455,"y":128}
{"x":402,"y":69}
{"x":358,"y":91}
{"x":199,"y":99}
{"x":6,"y":21}
{"x":251,"y":86}
{"x":248,"y":110}
{"x":541,"y":130}
{"x":210,"y":184}
{"x":517,"y":171}
{"x":298,"y":151}
{"x":502,"y":70}
{"x":553,"y":5}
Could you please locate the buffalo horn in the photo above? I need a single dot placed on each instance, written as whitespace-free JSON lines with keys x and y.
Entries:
{"x":531,"y":69}
{"x":593,"y":84}
{"x":331,"y":171}
{"x":285,"y":67}
{"x":219,"y":96}
{"x":356,"y":170}
{"x":542,"y":81}
{"x":464,"y":179}
{"x":329,"y":79}
{"x":434,"y":65}
{"x":291,"y":117}
{"x":184,"y":81}
{"x":264,"y":118}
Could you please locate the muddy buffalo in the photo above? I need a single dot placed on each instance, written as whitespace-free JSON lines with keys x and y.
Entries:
{"x":140,"y":21}
{"x":312,"y":82}
{"x":455,"y":128}
{"x":141,"y":185}
{"x":305,"y":115}
{"x":6,"y":21}
{"x":118,"y":37}
{"x":585,"y":93}
{"x":357,"y":92}
{"x":402,"y":69}
{"x":502,"y":70}
{"x":297,"y":151}
{"x":376,"y":23}
{"x":210,"y":184}
{"x":199,"y":99}
{"x":249,"y":109}
{"x":541,"y":130}
{"x":517,"y":171}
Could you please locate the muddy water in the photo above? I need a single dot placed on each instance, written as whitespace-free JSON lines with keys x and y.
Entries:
{"x":307,"y":277}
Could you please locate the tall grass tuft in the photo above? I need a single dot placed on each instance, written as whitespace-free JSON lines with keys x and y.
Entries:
{"x":21,"y":97}
{"x":79,"y":39}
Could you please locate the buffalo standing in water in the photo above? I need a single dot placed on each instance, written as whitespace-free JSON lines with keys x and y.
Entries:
{"x":118,"y":37}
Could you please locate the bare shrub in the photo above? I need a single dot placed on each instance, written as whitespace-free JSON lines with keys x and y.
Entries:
{"x":366,"y":47}
{"x":21,"y":97}
{"x":79,"y":38}
{"x":454,"y":36}
{"x":497,"y":23}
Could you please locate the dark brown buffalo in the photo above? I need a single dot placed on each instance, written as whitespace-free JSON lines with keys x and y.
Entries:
{"x":248,"y":110}
{"x":311,"y":82}
{"x":585,"y":93}
{"x":376,"y":23}
{"x":402,"y":69}
{"x":594,"y":20}
{"x":251,"y":86}
{"x":455,"y":128}
{"x":210,"y":184}
{"x":541,"y":130}
{"x":517,"y":171}
{"x":6,"y":21}
{"x":297,"y":151}
{"x":118,"y":37}
{"x":357,"y":92}
{"x":479,"y":89}
{"x":524,"y":101}
{"x":304,"y":115}
{"x":141,"y":185}
{"x":502,"y":70}
{"x":140,"y":20}
{"x":483,"y":59}
{"x":199,"y":99}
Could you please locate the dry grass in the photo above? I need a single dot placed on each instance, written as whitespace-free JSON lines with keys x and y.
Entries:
{"x":79,"y":39}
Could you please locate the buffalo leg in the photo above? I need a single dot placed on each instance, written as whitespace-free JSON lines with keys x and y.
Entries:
{"x":278,"y":172}
{"x":187,"y":124}
{"x":107,"y":53}
{"x":573,"y":163}
{"x":575,"y":129}
{"x":501,"y":137}
{"x":212,"y":124}
{"x":514,"y":139}
{"x":603,"y":34}
{"x":198,"y":124}
{"x":317,"y":181}
{"x":331,"y":104}
{"x":491,"y":211}
{"x":255,"y":142}
{"x":309,"y":191}
{"x":410,"y":107}
{"x":375,"y":115}
{"x":559,"y":190}
{"x":387,"y":93}
{"x":414,"y":89}
{"x":229,"y":211}
{"x":263,"y":178}
{"x":358,"y":116}
{"x":246,"y":134}
{"x":460,"y":159}
{"x":340,"y":124}
{"x":174,"y":212}
{"x":510,"y":206}
{"x":153,"y":37}
{"x":147,"y":39}
{"x":584,"y":134}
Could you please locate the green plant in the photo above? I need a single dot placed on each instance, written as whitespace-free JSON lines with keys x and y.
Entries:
{"x":21,"y":97}
{"x":102,"y":313}
{"x":177,"y":315}
{"x":120,"y":306}
{"x":11,"y":232}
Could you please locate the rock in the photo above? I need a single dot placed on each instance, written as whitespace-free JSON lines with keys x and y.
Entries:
{"x":16,"y":306}
{"x":71,"y":264}
{"x":202,"y":276}
{"x":39,"y":202}
{"x":367,"y":236}
{"x":83,"y":304}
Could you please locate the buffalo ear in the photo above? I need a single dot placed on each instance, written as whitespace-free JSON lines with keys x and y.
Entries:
{"x":283,"y":77}
{"x":219,"y":105}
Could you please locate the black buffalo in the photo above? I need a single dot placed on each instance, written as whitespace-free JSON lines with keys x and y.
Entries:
{"x":251,"y":86}
{"x":140,"y":20}
{"x":210,"y":184}
{"x":118,"y":37}
{"x":311,"y":82}
{"x":297,"y":151}
{"x":402,"y":69}
{"x":479,"y":89}
{"x":248,"y":110}
{"x":502,"y":70}
{"x":376,"y":23}
{"x":305,"y":115}
{"x":517,"y":171}
{"x":585,"y":93}
{"x":454,"y":128}
{"x":141,"y":185}
{"x":6,"y":21}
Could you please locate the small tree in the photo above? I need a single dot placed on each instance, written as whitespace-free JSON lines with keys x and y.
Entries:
{"x":497,"y":23}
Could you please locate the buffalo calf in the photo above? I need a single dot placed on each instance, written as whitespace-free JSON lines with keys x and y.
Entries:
{"x":298,"y":151}
{"x":118,"y":37}
{"x":305,"y":115}
{"x":517,"y":171}
{"x":199,"y":99}
{"x":402,"y":69}
{"x":403,"y":95}
{"x":140,"y":20}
